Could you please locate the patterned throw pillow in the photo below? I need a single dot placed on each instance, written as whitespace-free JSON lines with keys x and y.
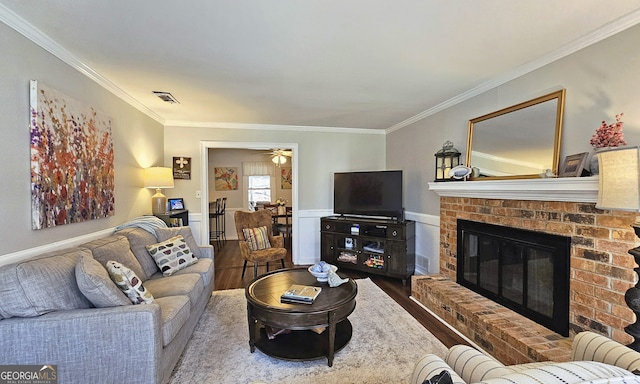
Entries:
{"x":172,"y":255}
{"x":129,"y":283}
{"x":257,"y":238}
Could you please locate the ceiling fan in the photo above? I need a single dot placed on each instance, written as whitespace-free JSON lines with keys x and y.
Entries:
{"x":279,"y":156}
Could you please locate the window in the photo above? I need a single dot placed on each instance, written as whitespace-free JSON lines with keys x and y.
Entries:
{"x":259,"y":189}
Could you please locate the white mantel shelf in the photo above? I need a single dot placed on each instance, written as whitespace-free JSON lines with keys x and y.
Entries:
{"x":574,"y":189}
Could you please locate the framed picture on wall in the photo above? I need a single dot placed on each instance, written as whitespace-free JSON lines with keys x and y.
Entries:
{"x":226,"y":178}
{"x":285,"y":178}
{"x":182,"y":168}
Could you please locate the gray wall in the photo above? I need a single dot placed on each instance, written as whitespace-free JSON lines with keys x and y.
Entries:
{"x":138,"y":143}
{"x":601,"y":81}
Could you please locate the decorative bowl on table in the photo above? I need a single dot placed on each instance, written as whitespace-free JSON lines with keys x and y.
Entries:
{"x":321,"y":271}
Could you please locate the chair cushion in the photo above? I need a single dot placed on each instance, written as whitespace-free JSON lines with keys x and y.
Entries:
{"x":96,"y":285}
{"x":129,"y":283}
{"x":257,"y":238}
{"x":166,"y":233}
{"x":172,"y":255}
{"x":41,"y":285}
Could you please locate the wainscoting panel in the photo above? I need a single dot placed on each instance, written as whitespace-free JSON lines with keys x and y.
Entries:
{"x":427,"y":242}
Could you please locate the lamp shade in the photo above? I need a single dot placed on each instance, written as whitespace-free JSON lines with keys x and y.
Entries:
{"x":619,"y":184}
{"x":158,"y":177}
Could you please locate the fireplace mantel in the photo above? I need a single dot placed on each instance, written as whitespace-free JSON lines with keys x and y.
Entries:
{"x":573,"y":189}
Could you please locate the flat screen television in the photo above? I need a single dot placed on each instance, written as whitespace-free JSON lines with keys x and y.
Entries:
{"x":373,"y":193}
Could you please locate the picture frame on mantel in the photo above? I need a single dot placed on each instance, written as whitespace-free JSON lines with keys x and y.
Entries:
{"x":575,"y":165}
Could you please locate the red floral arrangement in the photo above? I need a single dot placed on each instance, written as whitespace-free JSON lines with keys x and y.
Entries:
{"x":609,"y":135}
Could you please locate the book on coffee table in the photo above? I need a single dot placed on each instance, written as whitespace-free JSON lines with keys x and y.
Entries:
{"x":304,"y":294}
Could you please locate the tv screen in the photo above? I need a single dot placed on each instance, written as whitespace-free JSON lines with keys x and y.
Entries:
{"x":374,"y":193}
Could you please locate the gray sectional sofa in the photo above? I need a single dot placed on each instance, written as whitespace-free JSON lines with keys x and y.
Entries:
{"x":58,"y":309}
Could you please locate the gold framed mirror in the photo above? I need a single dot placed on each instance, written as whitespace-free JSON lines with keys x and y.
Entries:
{"x":518,"y":142}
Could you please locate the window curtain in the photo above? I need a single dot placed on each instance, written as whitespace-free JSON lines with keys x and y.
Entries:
{"x":257,"y":168}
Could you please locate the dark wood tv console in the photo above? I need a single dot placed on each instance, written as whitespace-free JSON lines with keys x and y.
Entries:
{"x":383,"y":247}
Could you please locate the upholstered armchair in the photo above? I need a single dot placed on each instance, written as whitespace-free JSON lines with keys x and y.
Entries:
{"x":253,"y":242}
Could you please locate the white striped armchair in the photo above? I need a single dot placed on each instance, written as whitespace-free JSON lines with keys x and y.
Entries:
{"x":594,"y":359}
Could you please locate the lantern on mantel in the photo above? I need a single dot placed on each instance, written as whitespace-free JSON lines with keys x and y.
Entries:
{"x":446,"y":158}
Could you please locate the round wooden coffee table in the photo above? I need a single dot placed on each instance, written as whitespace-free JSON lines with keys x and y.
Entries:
{"x":329,"y":310}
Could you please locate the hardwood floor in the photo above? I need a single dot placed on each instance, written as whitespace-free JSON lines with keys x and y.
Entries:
{"x":228,"y":275}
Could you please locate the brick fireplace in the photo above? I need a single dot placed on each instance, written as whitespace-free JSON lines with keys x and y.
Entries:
{"x":601,"y":270}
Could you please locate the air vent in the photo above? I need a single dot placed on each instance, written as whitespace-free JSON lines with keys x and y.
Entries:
{"x":166,"y":97}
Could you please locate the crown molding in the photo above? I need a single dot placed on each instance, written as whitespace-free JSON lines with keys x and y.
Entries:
{"x":271,"y":127}
{"x":32,"y":33}
{"x":599,"y":34}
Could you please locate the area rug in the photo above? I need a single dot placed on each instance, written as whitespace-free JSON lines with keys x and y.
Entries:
{"x":386,"y":343}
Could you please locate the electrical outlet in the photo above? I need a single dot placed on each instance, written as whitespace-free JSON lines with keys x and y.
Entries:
{"x":198,"y":194}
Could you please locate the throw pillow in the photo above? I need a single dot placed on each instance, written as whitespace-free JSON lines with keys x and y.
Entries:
{"x":166,"y":233}
{"x":443,"y":377}
{"x":256,"y":238}
{"x":96,"y":285}
{"x":172,"y":255}
{"x":129,"y":283}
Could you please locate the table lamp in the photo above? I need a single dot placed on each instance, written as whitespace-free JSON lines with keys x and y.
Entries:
{"x":619,"y":189}
{"x":158,"y":178}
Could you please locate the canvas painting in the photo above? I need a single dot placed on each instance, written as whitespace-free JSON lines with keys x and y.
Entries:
{"x":285,"y":178}
{"x":72,"y":165}
{"x":226,"y":178}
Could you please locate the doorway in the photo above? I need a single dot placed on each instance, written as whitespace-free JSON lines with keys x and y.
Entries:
{"x":204,"y":182}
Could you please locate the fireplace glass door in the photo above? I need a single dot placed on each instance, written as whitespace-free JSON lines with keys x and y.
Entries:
{"x":524,"y":270}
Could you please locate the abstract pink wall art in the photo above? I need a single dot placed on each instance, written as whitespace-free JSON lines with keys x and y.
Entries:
{"x":72,"y":167}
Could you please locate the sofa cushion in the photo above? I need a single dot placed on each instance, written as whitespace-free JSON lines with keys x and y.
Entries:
{"x":573,"y":372}
{"x":172,"y":255}
{"x":138,"y":241}
{"x":204,"y":267}
{"x":96,"y":285}
{"x":166,"y":233}
{"x":43,"y":284}
{"x":175,"y":313}
{"x":190,"y":285}
{"x":129,"y":283}
{"x":256,"y":238}
{"x":115,"y":248}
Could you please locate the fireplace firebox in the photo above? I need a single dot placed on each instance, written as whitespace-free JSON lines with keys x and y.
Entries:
{"x":523,"y":270}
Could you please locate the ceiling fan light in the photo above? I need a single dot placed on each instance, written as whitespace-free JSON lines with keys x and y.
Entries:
{"x":279,"y":159}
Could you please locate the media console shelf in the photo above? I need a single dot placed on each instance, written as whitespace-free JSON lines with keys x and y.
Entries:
{"x":383,"y":247}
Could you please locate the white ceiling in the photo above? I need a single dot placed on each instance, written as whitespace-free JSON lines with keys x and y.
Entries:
{"x":374,"y":64}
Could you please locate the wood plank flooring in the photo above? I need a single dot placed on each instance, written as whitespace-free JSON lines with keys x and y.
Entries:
{"x":228,"y":275}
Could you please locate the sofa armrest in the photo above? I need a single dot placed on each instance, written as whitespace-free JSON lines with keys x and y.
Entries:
{"x":591,"y":346}
{"x":429,"y":366}
{"x":206,"y":251}
{"x":89,"y":345}
{"x":473,"y":365}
